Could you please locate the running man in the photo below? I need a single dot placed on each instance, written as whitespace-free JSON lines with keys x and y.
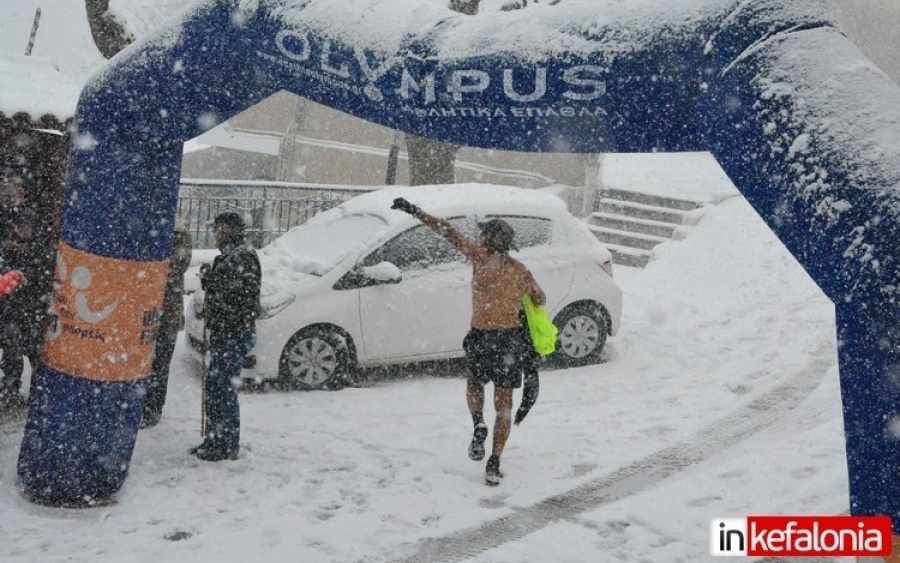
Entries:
{"x":496,"y":346}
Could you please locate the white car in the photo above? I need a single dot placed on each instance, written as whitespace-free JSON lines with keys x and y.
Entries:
{"x":363,"y":285}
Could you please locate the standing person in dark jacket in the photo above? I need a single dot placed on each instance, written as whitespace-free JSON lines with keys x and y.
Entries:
{"x":14,"y":186}
{"x":170,"y":322}
{"x":232,"y":286}
{"x":23,"y":313}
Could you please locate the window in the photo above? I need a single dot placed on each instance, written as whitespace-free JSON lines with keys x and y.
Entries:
{"x":415,"y":249}
{"x":419,"y":247}
{"x":530,"y":231}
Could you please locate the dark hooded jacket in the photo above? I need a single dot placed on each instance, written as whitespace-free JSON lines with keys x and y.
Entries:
{"x":232,"y":288}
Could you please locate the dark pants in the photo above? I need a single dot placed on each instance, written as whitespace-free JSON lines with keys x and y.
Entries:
{"x":17,"y":341}
{"x":12,"y":364}
{"x":223,"y":415}
{"x":159,"y":376}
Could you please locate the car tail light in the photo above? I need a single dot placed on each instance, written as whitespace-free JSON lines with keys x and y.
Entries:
{"x":607,"y":266}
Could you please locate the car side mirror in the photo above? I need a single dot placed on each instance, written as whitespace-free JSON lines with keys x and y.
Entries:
{"x":383,"y":272}
{"x":379,"y":274}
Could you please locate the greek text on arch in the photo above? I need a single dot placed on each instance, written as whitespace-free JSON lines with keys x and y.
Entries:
{"x":518,"y":112}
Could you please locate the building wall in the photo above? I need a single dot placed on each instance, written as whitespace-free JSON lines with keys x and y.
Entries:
{"x":228,"y":164}
{"x":276,"y":113}
{"x":324,"y":146}
{"x":874,"y":26}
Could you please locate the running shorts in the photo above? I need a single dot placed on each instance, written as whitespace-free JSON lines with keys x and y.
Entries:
{"x":497,"y":356}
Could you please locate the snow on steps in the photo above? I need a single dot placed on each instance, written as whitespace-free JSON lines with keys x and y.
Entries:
{"x":631,"y":224}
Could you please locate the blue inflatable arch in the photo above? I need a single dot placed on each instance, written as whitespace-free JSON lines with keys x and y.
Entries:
{"x":801,"y":122}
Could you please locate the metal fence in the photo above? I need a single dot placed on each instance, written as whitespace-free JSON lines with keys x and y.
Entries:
{"x":268,"y":208}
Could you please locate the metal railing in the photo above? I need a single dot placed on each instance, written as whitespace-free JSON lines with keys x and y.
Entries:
{"x":269,"y":208}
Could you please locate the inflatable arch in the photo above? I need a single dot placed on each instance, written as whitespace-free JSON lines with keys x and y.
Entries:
{"x":803,"y":124}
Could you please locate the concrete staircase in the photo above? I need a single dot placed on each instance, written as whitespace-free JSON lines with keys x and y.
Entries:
{"x":631,"y":224}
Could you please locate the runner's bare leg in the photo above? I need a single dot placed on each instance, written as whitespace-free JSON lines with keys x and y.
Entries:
{"x":503,"y":402}
{"x":474,"y":394}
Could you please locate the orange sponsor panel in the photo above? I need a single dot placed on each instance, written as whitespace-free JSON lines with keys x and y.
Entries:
{"x":894,"y":557}
{"x":106,"y":313}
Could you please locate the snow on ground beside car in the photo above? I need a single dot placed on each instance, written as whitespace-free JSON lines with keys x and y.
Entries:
{"x":719,"y":397}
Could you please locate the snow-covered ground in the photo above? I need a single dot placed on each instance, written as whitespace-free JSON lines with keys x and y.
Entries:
{"x":719,"y":398}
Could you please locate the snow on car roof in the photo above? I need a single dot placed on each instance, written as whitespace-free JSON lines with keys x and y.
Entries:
{"x":472,"y":200}
{"x":329,"y":237}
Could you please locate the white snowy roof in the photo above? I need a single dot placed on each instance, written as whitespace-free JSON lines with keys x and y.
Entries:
{"x":237,"y":139}
{"x":35,"y":86}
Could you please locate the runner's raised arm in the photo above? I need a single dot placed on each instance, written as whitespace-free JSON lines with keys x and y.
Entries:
{"x":441,"y":226}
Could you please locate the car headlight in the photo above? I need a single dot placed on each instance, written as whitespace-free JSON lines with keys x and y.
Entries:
{"x":272,"y":306}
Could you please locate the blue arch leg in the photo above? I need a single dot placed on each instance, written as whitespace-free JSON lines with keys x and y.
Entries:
{"x":782,"y":139}
{"x":870,"y":391}
{"x":79,"y":438}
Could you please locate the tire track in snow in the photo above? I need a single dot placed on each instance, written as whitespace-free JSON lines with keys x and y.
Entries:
{"x":629,"y":480}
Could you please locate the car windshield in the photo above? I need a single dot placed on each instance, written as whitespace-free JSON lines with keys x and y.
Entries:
{"x":318,"y":247}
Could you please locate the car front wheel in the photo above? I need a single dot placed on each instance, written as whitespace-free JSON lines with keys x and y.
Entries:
{"x":315,"y":358}
{"x":582,"y":334}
